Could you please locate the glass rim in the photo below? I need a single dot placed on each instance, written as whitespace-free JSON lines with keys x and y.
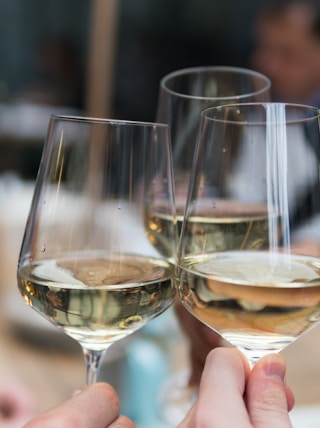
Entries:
{"x":214,"y":68}
{"x":294,"y":106}
{"x":107,"y":121}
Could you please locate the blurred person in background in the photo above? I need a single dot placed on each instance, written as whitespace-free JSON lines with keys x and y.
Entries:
{"x":287,"y":50}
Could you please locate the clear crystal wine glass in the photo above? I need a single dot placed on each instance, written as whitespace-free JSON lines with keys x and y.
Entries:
{"x":183,"y":94}
{"x":86,"y":264}
{"x":248,"y":261}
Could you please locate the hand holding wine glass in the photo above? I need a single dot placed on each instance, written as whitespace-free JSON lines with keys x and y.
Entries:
{"x":231,"y":394}
{"x":240,"y":268}
{"x":86,"y":263}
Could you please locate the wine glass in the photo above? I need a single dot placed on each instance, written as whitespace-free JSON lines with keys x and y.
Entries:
{"x":248,"y":262}
{"x":86,"y":263}
{"x":183,"y":94}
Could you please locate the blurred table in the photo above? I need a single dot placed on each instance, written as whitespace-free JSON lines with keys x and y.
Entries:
{"x":50,"y":372}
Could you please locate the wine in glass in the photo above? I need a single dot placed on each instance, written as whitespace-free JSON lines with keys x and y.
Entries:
{"x":248,"y":262}
{"x":86,"y":264}
{"x":183,"y":94}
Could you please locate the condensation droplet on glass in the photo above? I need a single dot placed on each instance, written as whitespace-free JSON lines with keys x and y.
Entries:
{"x":43,"y":248}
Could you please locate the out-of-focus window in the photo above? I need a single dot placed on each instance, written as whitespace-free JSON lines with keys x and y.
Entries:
{"x":103,"y":58}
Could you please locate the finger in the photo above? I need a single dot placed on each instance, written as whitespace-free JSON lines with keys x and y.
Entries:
{"x":267,"y":394}
{"x":220,"y":402}
{"x":97,"y":406}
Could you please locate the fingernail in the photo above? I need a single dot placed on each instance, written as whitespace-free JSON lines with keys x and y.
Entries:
{"x":275,"y":369}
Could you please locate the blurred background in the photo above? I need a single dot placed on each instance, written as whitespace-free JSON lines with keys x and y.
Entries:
{"x":104,"y":58}
{"x":101,"y":58}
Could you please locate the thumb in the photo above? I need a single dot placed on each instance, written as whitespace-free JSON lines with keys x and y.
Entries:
{"x":268,"y":399}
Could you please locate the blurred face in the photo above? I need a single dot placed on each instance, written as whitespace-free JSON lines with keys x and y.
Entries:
{"x":289,"y":54}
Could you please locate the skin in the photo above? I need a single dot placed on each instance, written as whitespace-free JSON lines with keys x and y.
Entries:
{"x":96,"y":406}
{"x":230,"y":395}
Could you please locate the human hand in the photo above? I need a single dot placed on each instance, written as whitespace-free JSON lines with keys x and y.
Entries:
{"x":97,"y":406}
{"x":17,"y":405}
{"x":230,"y":395}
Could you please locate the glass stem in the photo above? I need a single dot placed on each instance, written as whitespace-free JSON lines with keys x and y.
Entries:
{"x":254,"y":355}
{"x":92,"y":359}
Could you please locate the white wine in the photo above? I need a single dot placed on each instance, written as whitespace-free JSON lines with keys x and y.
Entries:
{"x":96,"y":298}
{"x":218,"y":225}
{"x":255,"y":300}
